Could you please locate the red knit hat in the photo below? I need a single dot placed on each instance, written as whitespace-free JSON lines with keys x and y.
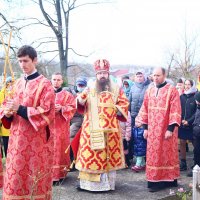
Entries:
{"x":101,"y":65}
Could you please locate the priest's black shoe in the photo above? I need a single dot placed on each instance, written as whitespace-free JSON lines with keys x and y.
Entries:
{"x":190,"y":174}
{"x":78,"y":187}
{"x":171,"y":183}
{"x":56,"y":183}
{"x":157,"y":188}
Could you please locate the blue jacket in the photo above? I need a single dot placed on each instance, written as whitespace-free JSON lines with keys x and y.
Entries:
{"x":136,"y":97}
{"x":139,"y":143}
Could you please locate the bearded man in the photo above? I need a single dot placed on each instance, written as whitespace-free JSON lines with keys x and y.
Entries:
{"x":100,"y":151}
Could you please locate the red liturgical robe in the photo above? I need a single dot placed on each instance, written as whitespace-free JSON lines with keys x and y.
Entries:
{"x":111,"y":157}
{"x":62,"y":134}
{"x":30,"y":151}
{"x":161,"y":108}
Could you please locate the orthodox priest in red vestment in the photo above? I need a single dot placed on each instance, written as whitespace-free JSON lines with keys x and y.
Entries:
{"x":100,"y":151}
{"x":30,"y":110}
{"x":65,"y":108}
{"x":161,"y":116}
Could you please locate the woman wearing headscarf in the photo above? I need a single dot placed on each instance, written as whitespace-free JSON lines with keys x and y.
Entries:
{"x":188,"y":106}
{"x":127,"y":84}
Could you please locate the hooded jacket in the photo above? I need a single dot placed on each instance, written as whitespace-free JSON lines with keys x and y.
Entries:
{"x":136,"y":96}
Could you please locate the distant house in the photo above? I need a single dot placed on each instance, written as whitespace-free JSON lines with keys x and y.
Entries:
{"x":120,"y":72}
{"x":77,"y":70}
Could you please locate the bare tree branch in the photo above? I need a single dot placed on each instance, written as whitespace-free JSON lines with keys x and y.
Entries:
{"x":36,"y":2}
{"x":48,"y":19}
{"x":47,"y":42}
{"x":31,"y":24}
{"x":66,"y":19}
{"x":62,"y":9}
{"x":31,"y":18}
{"x":78,"y":53}
{"x":4,"y":18}
{"x":49,"y":51}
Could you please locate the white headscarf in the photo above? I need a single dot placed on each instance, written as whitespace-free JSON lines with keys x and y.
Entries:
{"x":192,"y":90}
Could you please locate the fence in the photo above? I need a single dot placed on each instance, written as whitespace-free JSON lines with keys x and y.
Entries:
{"x":196,"y":183}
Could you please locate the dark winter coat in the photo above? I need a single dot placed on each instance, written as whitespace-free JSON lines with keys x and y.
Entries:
{"x":188,"y":107}
{"x":139,"y":143}
{"x":76,"y":121}
{"x":136,"y":97}
{"x":196,"y":123}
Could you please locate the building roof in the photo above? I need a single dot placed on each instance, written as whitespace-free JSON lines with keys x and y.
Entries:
{"x":119,"y":72}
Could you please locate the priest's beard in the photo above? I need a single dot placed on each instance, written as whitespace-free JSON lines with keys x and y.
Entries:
{"x":103,"y":85}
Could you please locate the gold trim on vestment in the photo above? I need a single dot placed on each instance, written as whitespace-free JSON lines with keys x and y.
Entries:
{"x":122,"y":166}
{"x":45,"y":118}
{"x":89,"y":177}
{"x":97,"y":137}
{"x":115,"y":91}
{"x":175,"y":121}
{"x":59,"y":166}
{"x":175,"y":114}
{"x":108,"y":153}
{"x":157,"y":108}
{"x":106,"y":130}
{"x":41,"y":110}
{"x":38,"y":92}
{"x":162,"y":167}
{"x":97,"y":140}
{"x":107,"y":105}
{"x":167,"y":98}
{"x":32,"y":197}
{"x":66,"y":97}
{"x":122,"y":111}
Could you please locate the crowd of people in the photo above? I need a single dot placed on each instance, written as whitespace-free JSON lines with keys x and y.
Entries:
{"x":177,"y":108}
{"x":97,"y":128}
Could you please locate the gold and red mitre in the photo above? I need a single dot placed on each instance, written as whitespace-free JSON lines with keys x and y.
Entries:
{"x":101,"y":65}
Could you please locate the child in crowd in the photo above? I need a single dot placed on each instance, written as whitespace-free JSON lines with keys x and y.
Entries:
{"x":126,"y":136}
{"x":139,"y":145}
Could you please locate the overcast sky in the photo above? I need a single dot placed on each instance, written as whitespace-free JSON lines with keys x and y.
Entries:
{"x":136,"y":32}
